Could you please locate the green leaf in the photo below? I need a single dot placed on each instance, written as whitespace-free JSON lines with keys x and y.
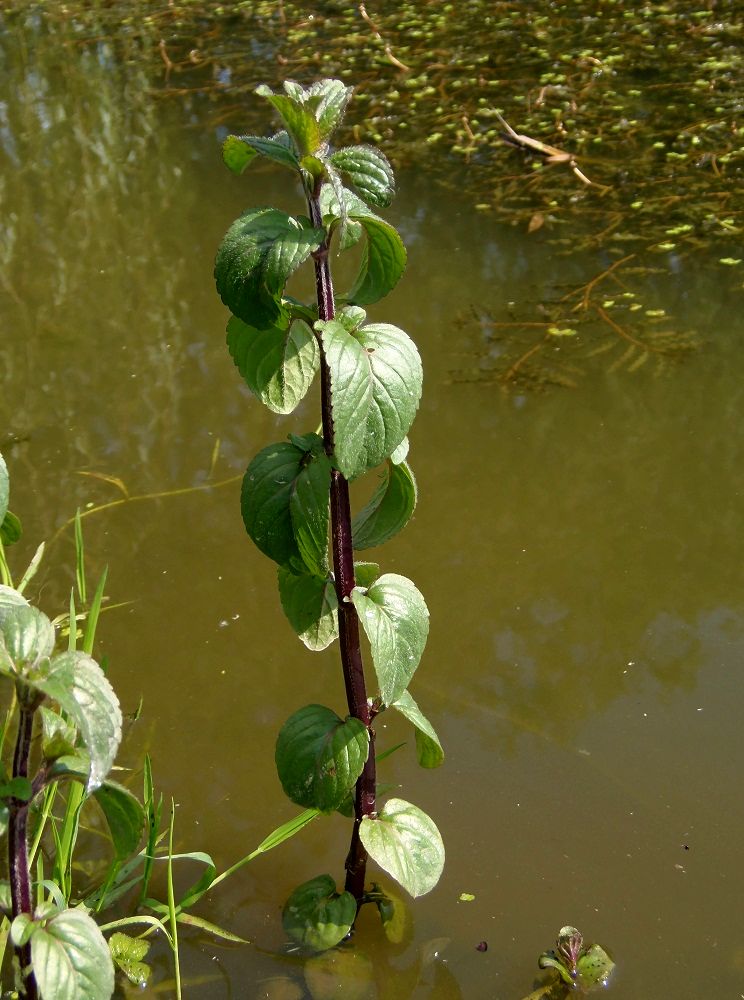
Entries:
{"x":333,"y":98}
{"x":368,"y":171}
{"x":26,"y":640}
{"x":285,"y":503}
{"x":365,"y":573}
{"x":389,"y":510}
{"x":394,"y":615}
{"x":17,"y":788}
{"x":10,"y":528}
{"x":6,"y":901}
{"x":310,"y":604}
{"x":4,"y":488}
{"x":428,"y":748}
{"x":128,"y":953}
{"x":405,"y":843}
{"x":317,"y":916}
{"x":394,"y":914}
{"x":124,"y":815}
{"x":239,"y":151}
{"x":401,"y":452}
{"x":80,"y":687}
{"x":10,"y":599}
{"x":277,"y":363}
{"x":70,"y":957}
{"x":259,"y":252}
{"x":58,"y":737}
{"x":298,"y":120}
{"x":319,"y":756}
{"x":594,"y":967}
{"x":376,"y":381}
{"x":384,"y":257}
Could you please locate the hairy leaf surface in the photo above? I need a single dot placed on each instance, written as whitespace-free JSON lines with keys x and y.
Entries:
{"x":26,"y":639}
{"x":239,"y":151}
{"x":259,"y":252}
{"x":368,"y":172}
{"x":277,"y":363}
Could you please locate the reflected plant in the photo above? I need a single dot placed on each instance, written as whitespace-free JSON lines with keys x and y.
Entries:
{"x":295,"y":495}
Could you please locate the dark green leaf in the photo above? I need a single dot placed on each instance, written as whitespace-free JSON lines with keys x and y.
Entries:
{"x":277,"y":363}
{"x":368,"y":171}
{"x":124,"y":815}
{"x":428,"y":748}
{"x":70,"y":957}
{"x":365,"y":573}
{"x":319,"y":756}
{"x":26,"y":639}
{"x":394,"y":615}
{"x":128,"y":953}
{"x":80,"y":687}
{"x":405,"y":843}
{"x":376,"y":381}
{"x":239,"y":151}
{"x":10,"y":528}
{"x":17,"y":788}
{"x":389,"y":510}
{"x":317,"y":916}
{"x":259,"y":252}
{"x":310,"y":604}
{"x":384,"y":257}
{"x":285,"y":502}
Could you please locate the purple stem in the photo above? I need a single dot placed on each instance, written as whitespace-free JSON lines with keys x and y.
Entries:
{"x":20,"y":879}
{"x":343,"y":568}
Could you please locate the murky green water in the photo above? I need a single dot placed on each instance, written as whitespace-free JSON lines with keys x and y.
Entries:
{"x":579,"y":550}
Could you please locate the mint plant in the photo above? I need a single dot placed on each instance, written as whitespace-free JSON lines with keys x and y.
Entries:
{"x":295,"y":495}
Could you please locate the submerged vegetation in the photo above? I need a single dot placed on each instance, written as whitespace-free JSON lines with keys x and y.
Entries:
{"x":644,"y":102}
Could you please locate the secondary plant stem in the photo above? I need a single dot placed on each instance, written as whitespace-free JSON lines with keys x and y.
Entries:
{"x":343,"y":568}
{"x":20,"y":882}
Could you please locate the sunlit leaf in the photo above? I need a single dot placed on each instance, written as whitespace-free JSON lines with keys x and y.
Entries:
{"x":317,"y":916}
{"x":277,"y":363}
{"x":26,"y":639}
{"x":310,"y":604}
{"x":239,"y":151}
{"x":428,"y":748}
{"x":259,"y":252}
{"x":70,"y":957}
{"x":319,"y":756}
{"x":394,"y":615}
{"x":368,"y":172}
{"x":76,"y":682}
{"x":405,"y":843}
{"x":128,"y":953}
{"x":376,"y":379}
{"x":4,"y":488}
{"x":58,"y":736}
{"x":389,"y":510}
{"x":299,"y":121}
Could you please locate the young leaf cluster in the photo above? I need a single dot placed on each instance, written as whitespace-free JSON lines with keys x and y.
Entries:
{"x":294,"y":498}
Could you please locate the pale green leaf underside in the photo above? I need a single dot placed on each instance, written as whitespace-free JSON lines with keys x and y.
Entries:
{"x":71,"y":959}
{"x":389,"y":510}
{"x":4,"y":488}
{"x":310,"y":604}
{"x":320,"y":756}
{"x":405,"y":843}
{"x":278,"y":364}
{"x":26,"y":638}
{"x":80,"y":687}
{"x":395,"y":618}
{"x":428,"y":748}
